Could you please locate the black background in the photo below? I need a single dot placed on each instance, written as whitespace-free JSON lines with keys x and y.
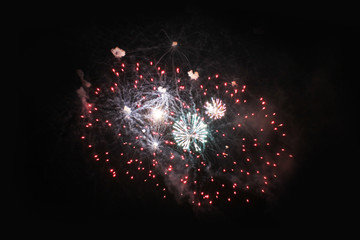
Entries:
{"x":306,"y":53}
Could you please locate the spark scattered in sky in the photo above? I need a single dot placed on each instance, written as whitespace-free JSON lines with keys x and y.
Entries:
{"x":205,"y":142}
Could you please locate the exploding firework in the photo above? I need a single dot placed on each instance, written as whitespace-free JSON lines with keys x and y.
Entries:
{"x":216,"y":109}
{"x":196,"y":135}
{"x":190,"y":130}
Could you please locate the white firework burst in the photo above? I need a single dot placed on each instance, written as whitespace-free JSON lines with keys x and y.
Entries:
{"x":216,"y":109}
{"x":190,"y":131}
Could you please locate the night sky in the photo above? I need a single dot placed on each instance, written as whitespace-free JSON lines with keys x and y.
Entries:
{"x":299,"y":57}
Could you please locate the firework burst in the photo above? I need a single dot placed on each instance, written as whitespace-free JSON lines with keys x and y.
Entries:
{"x":216,"y":109}
{"x":197,"y":136}
{"x":190,"y":131}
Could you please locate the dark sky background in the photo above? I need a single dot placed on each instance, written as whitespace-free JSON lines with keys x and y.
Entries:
{"x":302,"y":56}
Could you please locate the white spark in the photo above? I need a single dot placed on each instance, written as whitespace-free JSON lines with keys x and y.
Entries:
{"x":161,"y":89}
{"x":155,"y":145}
{"x":193,"y":75}
{"x":127,"y":110}
{"x":118,"y":52}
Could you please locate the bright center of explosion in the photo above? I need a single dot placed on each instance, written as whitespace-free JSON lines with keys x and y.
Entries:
{"x":157,"y":114}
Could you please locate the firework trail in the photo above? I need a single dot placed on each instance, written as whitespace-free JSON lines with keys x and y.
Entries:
{"x":191,"y":133}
